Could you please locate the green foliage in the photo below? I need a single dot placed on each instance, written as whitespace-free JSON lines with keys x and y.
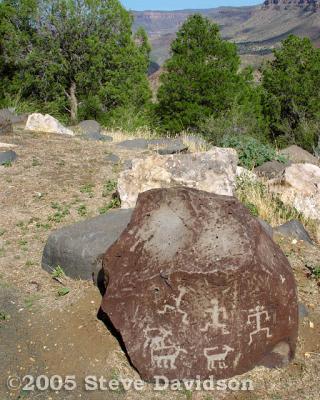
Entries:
{"x":251,"y":152}
{"x":87,"y":189}
{"x":61,"y":212}
{"x":201,"y":78}
{"x":109,"y":187}
{"x":4,"y":316}
{"x":57,"y":272}
{"x":316,"y":272}
{"x":72,"y":56}
{"x":63,"y":291}
{"x":128,"y":119}
{"x":292,"y":98}
{"x":114,"y":203}
{"x":82,"y":210}
{"x":242,"y":119}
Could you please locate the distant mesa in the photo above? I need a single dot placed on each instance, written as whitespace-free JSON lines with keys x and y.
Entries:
{"x":308,"y":4}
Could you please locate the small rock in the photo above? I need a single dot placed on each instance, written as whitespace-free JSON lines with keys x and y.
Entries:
{"x":293,"y":229}
{"x":271,"y":169}
{"x":298,"y":155}
{"x":303,"y":311}
{"x":7,"y":157}
{"x":113,"y":158}
{"x":97,"y":137}
{"x":89,"y":126}
{"x":141,"y":144}
{"x":78,"y":248}
{"x":46,"y":123}
{"x":168,"y":146}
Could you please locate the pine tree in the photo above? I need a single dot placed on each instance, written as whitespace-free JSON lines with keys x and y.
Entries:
{"x":292,"y":97}
{"x":201,"y":77}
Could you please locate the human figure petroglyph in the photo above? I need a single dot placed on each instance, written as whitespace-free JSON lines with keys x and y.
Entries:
{"x":256,"y":315}
{"x":215,"y":311}
{"x":213,"y":357}
{"x":177,"y":307}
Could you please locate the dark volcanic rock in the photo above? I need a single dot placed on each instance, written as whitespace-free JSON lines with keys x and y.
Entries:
{"x":113,"y":158}
{"x":7,"y":157}
{"x":79,"y":248}
{"x":134,"y":144}
{"x":97,"y":136}
{"x":89,"y":126}
{"x":197,"y":287}
{"x":168,"y":146}
{"x":294,"y":229}
{"x":271,"y":169}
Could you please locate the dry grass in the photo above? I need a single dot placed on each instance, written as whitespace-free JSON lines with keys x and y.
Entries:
{"x":268,"y":206}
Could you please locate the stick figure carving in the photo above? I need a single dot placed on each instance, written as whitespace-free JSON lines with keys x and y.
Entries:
{"x":215,"y":311}
{"x":256,"y":315}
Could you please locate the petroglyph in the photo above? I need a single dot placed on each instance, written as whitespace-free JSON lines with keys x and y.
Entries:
{"x":215,"y":311}
{"x":163,"y":355}
{"x":214,"y":357}
{"x":255,"y":318}
{"x":177,"y":307}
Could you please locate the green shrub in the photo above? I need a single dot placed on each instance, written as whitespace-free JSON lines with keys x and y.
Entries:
{"x":127,"y":119}
{"x":238,"y":121}
{"x":251,"y":152}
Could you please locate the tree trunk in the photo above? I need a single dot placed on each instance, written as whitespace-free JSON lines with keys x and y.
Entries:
{"x":73,"y":103}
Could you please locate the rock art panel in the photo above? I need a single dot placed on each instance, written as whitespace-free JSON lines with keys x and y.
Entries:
{"x":196,"y":286}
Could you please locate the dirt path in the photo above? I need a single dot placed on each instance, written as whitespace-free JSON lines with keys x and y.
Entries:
{"x":57,"y":181}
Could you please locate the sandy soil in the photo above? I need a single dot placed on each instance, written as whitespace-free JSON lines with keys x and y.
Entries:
{"x":54,"y":182}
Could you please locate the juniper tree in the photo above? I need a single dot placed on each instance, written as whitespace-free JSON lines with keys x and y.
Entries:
{"x":72,"y":54}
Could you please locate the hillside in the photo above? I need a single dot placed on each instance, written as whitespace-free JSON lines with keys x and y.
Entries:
{"x":256,"y":30}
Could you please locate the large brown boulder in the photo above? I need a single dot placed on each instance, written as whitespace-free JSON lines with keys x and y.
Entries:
{"x":195,"y":286}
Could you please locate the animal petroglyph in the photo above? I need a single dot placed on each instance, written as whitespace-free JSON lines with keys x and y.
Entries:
{"x":177,"y":307}
{"x":215,"y":312}
{"x":163,"y":355}
{"x":255,"y":318}
{"x":214,"y":357}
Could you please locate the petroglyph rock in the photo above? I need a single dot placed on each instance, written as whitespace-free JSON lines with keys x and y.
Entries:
{"x":197,"y":287}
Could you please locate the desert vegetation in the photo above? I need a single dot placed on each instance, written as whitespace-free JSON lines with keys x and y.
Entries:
{"x":102,"y":73}
{"x":81,"y":60}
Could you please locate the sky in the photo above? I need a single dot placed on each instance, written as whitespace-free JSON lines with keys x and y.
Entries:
{"x":139,"y":5}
